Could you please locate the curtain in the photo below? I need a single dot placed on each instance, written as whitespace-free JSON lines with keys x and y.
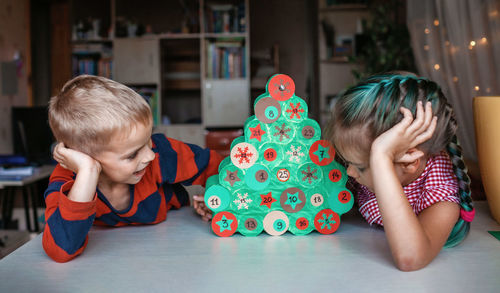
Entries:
{"x":456,"y":43}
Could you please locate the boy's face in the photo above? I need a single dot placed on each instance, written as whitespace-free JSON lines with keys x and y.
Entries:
{"x":127,"y":155}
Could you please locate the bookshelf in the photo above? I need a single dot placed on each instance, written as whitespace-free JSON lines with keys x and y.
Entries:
{"x":189,"y":57}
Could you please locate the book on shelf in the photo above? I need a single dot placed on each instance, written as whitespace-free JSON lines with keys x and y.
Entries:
{"x":94,"y":59}
{"x":150,"y":94}
{"x":225,"y":18}
{"x":226,"y":60}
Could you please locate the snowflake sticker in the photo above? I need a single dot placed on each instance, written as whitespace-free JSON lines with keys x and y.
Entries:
{"x":326,"y":221}
{"x":244,"y":155}
{"x":309,"y":174}
{"x":295,"y":110}
{"x":282,"y":131}
{"x":243,"y":201}
{"x":295,"y":154}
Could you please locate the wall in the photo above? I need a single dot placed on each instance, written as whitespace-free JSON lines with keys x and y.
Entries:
{"x":288,"y":24}
{"x":14,"y":37}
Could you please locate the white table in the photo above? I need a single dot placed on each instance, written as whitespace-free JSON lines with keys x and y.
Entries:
{"x":182,"y":255}
{"x":8,"y":187}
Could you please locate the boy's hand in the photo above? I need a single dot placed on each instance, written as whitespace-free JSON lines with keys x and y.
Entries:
{"x":74,"y":160}
{"x":398,"y":143}
{"x":201,"y":209}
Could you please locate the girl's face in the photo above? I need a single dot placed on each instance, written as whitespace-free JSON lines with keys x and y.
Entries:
{"x":358,"y":168}
{"x":127,"y":156}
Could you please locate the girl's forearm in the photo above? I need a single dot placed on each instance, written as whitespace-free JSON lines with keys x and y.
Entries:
{"x":407,"y":239}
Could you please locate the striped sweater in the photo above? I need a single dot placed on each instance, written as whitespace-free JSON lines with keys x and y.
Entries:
{"x":160,"y":189}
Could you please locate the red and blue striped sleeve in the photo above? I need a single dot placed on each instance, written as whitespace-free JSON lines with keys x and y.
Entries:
{"x":184,"y":163}
{"x":67,"y":222}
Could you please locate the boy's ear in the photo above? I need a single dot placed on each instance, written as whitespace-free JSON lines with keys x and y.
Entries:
{"x":410,"y":157}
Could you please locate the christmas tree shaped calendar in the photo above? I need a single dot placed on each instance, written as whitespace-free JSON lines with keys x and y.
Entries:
{"x":280,"y":176}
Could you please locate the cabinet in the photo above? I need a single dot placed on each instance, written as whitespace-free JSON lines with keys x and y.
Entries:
{"x":192,"y":54}
{"x":338,"y":25}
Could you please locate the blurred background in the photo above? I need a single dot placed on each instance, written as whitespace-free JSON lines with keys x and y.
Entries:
{"x":202,"y":63}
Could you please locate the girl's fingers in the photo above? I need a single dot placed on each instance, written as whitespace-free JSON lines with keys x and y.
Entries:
{"x":427,"y":134}
{"x":416,"y":126}
{"x":428,"y":115}
{"x":407,"y":117}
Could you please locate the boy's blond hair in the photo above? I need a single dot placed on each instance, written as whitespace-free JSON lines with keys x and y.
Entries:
{"x":90,"y":109}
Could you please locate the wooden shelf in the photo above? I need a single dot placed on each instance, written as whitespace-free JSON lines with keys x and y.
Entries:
{"x":343,"y":59}
{"x":170,"y":36}
{"x":343,"y":7}
{"x":182,"y":84}
{"x":225,"y":35}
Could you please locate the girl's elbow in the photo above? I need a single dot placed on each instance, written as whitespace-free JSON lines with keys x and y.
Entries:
{"x":409,"y":262}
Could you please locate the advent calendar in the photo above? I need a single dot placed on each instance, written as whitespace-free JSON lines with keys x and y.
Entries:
{"x":280,"y":176}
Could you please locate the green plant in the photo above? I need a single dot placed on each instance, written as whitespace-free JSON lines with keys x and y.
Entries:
{"x":385,"y":42}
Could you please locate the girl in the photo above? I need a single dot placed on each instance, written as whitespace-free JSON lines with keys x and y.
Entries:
{"x":397,"y":136}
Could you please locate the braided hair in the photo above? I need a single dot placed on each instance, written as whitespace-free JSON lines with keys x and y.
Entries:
{"x":372,"y":107}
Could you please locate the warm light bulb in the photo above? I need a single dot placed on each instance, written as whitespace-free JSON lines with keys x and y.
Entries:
{"x":472,"y":43}
{"x":476,"y":88}
{"x":436,"y":22}
{"x":455,"y":78}
{"x":427,"y":31}
{"x":436,"y":66}
{"x":484,"y":40}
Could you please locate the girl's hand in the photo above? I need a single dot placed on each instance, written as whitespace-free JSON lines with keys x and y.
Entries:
{"x":201,"y":209}
{"x":74,"y":160}
{"x":398,"y":143}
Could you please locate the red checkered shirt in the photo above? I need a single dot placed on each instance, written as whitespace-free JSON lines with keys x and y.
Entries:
{"x":436,"y":183}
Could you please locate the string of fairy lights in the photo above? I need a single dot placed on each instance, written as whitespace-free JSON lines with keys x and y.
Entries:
{"x":472,"y":45}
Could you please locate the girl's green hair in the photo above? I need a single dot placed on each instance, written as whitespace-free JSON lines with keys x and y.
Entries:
{"x":371,"y":107}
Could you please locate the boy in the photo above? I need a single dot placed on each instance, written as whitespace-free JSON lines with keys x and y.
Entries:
{"x":112,"y":170}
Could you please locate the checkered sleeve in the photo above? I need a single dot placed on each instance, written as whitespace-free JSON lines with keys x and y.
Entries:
{"x":440,"y":185}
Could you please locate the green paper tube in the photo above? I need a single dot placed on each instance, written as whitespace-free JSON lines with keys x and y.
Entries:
{"x":237,"y":140}
{"x":283,"y":175}
{"x":340,"y":200}
{"x":212,"y":180}
{"x":267,"y":200}
{"x":335,"y":175}
{"x":317,"y":199}
{"x":295,"y":110}
{"x":256,"y":132}
{"x":225,"y":162}
{"x":310,"y":175}
{"x":257,"y":177}
{"x":281,"y":131}
{"x":270,"y":154}
{"x":250,"y":224}
{"x":231,"y":176}
{"x":217,"y":198}
{"x":295,"y":154}
{"x":301,"y":223}
{"x":243,"y":201}
{"x":309,"y":131}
